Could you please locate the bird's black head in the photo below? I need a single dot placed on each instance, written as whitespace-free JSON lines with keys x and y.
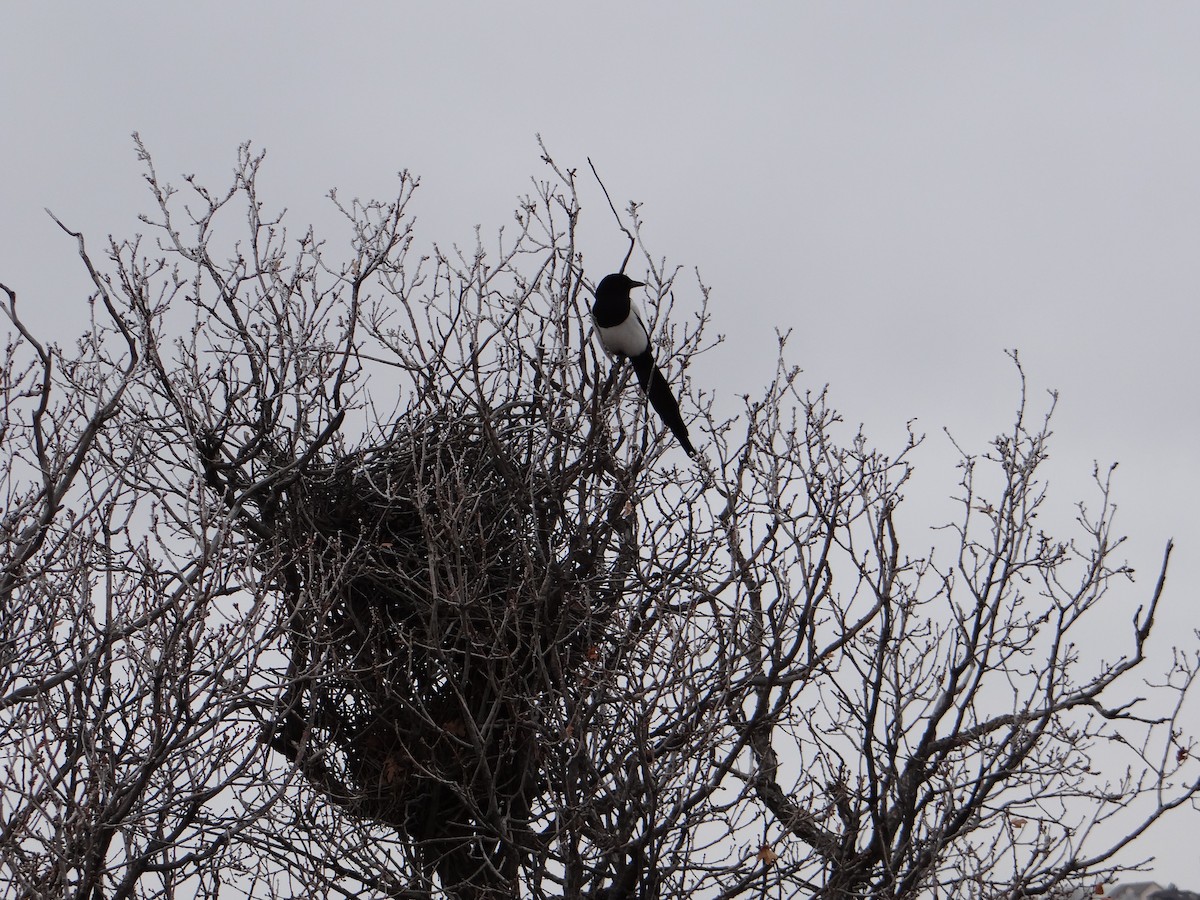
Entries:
{"x":616,"y":285}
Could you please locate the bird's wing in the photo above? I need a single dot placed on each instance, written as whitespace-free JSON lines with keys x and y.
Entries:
{"x":643,"y":363}
{"x":644,"y":367}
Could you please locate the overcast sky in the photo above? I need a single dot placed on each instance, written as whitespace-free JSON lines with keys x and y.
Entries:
{"x":911,"y":188}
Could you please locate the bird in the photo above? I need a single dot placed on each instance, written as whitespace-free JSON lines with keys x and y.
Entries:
{"x":623,"y":332}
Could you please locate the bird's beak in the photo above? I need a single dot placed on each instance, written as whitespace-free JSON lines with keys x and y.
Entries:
{"x":637,"y":284}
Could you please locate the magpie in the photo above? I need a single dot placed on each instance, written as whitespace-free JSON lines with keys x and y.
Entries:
{"x":623,"y":332}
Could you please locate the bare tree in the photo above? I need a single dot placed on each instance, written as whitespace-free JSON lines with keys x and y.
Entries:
{"x":367,"y":574}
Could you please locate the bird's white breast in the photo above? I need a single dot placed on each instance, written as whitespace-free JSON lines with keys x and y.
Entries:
{"x":629,"y":338}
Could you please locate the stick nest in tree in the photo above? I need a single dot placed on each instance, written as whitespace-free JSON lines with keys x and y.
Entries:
{"x":437,"y":615}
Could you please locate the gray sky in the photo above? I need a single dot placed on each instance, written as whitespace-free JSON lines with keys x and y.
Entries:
{"x":912,"y":188}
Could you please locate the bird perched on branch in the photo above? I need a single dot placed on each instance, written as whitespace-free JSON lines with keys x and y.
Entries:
{"x":623,"y":332}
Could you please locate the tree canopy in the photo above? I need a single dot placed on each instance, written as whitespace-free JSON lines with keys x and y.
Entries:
{"x":365,"y":573}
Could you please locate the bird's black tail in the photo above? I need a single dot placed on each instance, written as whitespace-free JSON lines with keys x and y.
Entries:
{"x":650,"y":377}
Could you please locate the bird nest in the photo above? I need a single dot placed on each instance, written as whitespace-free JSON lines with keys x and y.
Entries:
{"x":435,"y":623}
